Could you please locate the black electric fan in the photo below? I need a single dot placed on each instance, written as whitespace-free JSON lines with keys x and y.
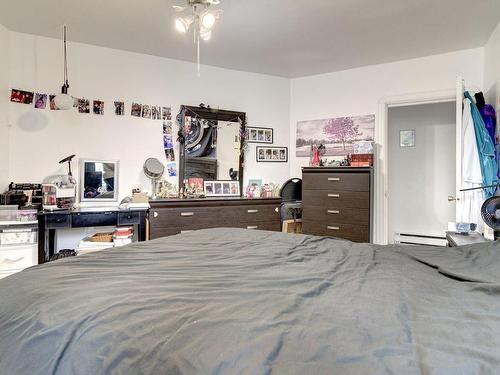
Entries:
{"x":490,"y":212}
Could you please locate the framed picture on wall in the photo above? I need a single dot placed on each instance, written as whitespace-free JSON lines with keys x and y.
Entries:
{"x":260,"y":135}
{"x":221,"y":188}
{"x":271,"y":154}
{"x":407,"y":138}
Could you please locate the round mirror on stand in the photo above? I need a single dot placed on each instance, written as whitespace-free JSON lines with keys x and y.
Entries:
{"x":154,"y":170}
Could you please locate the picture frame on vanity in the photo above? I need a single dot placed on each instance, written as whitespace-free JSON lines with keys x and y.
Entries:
{"x":221,"y":188}
{"x":271,"y":154}
{"x":260,"y":135}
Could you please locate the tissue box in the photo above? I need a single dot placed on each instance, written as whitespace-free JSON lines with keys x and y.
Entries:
{"x":140,"y":198}
{"x":362,"y":147}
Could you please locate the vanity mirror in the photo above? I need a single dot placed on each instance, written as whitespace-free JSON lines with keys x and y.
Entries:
{"x":98,"y":181}
{"x":211,"y":146}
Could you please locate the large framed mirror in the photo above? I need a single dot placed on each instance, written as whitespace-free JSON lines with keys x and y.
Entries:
{"x":98,"y":180}
{"x":211,"y":144}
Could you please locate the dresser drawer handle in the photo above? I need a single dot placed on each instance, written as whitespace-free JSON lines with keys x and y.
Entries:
{"x":7,"y":260}
{"x":333,"y":228}
{"x":252,"y":227}
{"x":334,"y":195}
{"x":252,"y":211}
{"x":187,"y":213}
{"x":333,"y":178}
{"x":334,"y":212}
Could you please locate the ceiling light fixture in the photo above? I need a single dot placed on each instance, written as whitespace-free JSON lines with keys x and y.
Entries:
{"x":63,"y":100}
{"x":203,"y":19}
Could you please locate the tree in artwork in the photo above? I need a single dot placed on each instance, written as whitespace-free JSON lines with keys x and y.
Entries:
{"x":341,"y":129}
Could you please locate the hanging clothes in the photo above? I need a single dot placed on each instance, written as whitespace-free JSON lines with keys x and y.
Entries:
{"x":490,"y":121}
{"x":485,"y":148}
{"x":471,"y":172}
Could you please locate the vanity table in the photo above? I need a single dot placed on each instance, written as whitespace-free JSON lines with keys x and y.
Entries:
{"x":173,"y":216}
{"x":50,"y":221}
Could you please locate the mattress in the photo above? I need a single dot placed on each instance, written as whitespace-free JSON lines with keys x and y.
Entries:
{"x":233,"y":301}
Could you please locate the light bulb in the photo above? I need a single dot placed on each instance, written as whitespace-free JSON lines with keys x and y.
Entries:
{"x":205,"y":34}
{"x":63,"y":101}
{"x":180,"y":25}
{"x":208,"y":20}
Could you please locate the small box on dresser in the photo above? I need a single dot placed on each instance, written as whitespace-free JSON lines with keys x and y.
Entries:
{"x":338,"y":202}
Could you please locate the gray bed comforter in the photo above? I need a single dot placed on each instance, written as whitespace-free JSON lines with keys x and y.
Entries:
{"x":230,"y":301}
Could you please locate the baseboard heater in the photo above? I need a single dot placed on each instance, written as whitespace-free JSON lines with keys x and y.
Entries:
{"x":419,"y":239}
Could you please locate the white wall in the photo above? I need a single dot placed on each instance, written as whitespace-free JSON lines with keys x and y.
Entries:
{"x":421,"y":177}
{"x":358,"y":91}
{"x":492,"y":69}
{"x":4,"y":92}
{"x":39,"y":138}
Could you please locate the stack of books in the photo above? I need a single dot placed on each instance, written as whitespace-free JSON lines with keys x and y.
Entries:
{"x":123,"y":236}
{"x":87,"y":246}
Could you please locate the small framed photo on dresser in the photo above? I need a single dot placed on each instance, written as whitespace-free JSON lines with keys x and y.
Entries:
{"x":260,"y":135}
{"x":271,"y":154}
{"x":218,"y":188}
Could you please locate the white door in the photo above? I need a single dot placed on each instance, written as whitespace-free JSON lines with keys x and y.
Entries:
{"x":422,"y":176}
{"x":459,"y":148}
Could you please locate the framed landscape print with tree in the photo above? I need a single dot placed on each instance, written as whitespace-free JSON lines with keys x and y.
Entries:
{"x":336,"y":134}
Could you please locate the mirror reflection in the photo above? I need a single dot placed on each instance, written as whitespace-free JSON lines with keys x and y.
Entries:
{"x":212,"y":149}
{"x":98,"y":180}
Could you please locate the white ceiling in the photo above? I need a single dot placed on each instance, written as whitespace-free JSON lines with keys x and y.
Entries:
{"x":289,"y":38}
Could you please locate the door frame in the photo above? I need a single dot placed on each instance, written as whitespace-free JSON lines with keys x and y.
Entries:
{"x":381,"y":201}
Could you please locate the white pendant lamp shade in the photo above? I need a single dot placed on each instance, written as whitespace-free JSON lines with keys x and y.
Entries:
{"x":64,"y":101}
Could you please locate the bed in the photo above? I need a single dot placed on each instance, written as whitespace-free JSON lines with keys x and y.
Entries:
{"x":233,"y":301}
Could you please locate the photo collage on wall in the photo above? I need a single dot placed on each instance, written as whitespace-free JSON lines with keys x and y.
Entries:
{"x":85,"y":106}
{"x":96,"y":107}
{"x":168,"y":140}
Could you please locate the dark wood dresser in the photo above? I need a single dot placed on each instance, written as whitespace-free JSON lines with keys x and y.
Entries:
{"x":338,"y":202}
{"x":173,"y":216}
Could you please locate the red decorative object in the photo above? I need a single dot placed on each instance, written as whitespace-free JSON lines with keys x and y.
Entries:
{"x":315,"y":156}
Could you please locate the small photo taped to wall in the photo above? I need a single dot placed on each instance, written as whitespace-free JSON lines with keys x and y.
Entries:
{"x":166,"y":113}
{"x":83,"y":106}
{"x":40,"y":101}
{"x":146,"y":111}
{"x":136,"y":110}
{"x":155,"y":112}
{"x":52,"y":103}
{"x":170,"y":154}
{"x":21,"y":96}
{"x":119,"y":108}
{"x":98,"y":107}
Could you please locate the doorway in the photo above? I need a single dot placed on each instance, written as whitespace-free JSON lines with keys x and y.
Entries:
{"x":422,"y":172}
